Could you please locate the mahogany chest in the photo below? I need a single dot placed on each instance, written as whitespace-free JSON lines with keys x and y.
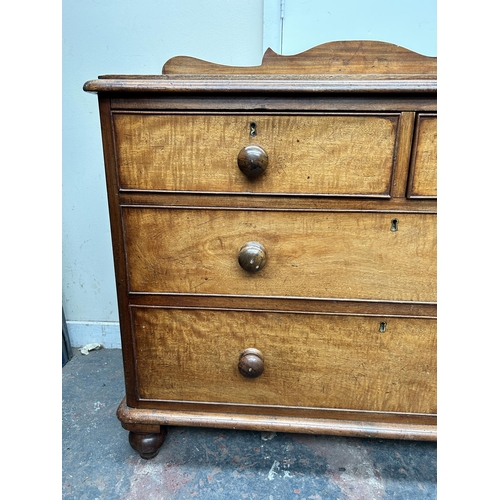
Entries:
{"x":274,"y":236}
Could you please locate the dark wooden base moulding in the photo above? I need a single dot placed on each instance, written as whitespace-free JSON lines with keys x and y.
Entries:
{"x":152,"y":422}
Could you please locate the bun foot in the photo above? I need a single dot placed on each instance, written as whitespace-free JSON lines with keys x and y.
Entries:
{"x":147,"y":444}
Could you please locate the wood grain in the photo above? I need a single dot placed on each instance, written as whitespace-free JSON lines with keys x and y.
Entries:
{"x":292,"y":101}
{"x":277,"y":202}
{"x":315,"y":361}
{"x":298,"y":306}
{"x":309,"y":254}
{"x":404,"y":143}
{"x":344,"y":310}
{"x":345,"y":425}
{"x":335,"y":67}
{"x":351,"y":57}
{"x":181,"y":87}
{"x":423,"y":168}
{"x":332,"y":155}
{"x":119,"y":256}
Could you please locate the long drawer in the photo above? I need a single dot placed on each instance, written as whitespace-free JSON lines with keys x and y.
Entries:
{"x":353,"y":255}
{"x":342,"y":154}
{"x":309,"y":360}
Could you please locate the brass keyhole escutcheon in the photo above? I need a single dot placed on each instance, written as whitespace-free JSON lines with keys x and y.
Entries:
{"x":394,"y":225}
{"x":253,"y":129}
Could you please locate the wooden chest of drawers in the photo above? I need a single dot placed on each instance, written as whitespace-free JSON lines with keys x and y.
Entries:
{"x":274,"y":235}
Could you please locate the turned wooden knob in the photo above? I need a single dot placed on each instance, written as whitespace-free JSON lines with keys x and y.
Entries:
{"x":251,"y":364}
{"x":252,"y":161}
{"x":252,"y":256}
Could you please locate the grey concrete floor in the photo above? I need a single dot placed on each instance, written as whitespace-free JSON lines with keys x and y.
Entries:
{"x":98,"y":462}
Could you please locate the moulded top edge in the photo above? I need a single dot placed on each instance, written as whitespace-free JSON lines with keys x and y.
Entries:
{"x":161,"y":84}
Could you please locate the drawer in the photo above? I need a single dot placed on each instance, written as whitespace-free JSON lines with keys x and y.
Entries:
{"x":342,"y":154}
{"x":309,"y":254}
{"x":423,"y":170}
{"x":309,"y":360}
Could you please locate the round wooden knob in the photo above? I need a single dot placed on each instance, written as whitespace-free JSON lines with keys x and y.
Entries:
{"x":252,"y":161}
{"x":251,"y":364}
{"x":252,"y":256}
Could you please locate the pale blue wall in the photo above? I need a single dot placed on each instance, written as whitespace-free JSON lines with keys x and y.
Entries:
{"x":132,"y":37}
{"x":409,"y":23}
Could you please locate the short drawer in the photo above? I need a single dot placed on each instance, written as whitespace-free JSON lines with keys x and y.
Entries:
{"x":422,"y":181}
{"x":374,"y":256}
{"x":308,"y":360}
{"x":338,"y":155}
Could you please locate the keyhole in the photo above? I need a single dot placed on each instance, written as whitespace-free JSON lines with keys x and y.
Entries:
{"x":383,"y":324}
{"x":394,"y":224}
{"x":253,"y":129}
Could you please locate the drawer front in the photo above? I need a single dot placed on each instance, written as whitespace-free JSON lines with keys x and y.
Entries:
{"x":332,"y":155}
{"x":423,"y":170}
{"x":309,"y":254}
{"x":310,"y":360}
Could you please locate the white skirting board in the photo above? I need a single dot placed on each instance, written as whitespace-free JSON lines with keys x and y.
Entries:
{"x":82,"y":333}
